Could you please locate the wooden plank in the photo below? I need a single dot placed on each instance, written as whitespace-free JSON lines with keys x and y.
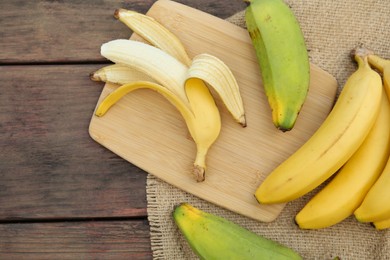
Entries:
{"x":240,"y":159}
{"x":49,"y":165}
{"x":76,"y":240}
{"x":69,"y":31}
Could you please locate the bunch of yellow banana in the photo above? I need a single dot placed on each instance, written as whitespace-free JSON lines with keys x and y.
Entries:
{"x":164,"y":66}
{"x":282,"y":55}
{"x":213,"y":237}
{"x":346,"y":191}
{"x":376,"y":204}
{"x":355,"y":129}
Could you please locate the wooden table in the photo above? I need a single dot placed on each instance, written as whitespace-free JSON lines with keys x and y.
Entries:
{"x":63,"y":196}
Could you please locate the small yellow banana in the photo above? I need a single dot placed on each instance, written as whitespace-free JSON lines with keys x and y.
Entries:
{"x":213,"y":237}
{"x":340,"y":135}
{"x":166,"y":68}
{"x":375,"y":206}
{"x":343,"y":194}
{"x":383,"y":66}
{"x":383,"y":224}
{"x":283,"y":58}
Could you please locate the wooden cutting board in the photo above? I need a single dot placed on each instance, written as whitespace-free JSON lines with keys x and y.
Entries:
{"x":146,"y":130}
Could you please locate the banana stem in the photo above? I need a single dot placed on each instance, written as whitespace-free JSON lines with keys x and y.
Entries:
{"x":360,"y":55}
{"x":200,"y":164}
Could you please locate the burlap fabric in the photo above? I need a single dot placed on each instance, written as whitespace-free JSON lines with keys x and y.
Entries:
{"x":331,"y":28}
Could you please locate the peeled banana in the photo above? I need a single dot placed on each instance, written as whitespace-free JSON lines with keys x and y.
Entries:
{"x":343,"y":194}
{"x":213,"y":237}
{"x":282,"y":55}
{"x":208,"y":68}
{"x":340,"y":135}
{"x":164,"y":66}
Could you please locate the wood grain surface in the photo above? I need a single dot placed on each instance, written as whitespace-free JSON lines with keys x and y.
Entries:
{"x":62,"y":195}
{"x":72,"y":31}
{"x":114,"y":239}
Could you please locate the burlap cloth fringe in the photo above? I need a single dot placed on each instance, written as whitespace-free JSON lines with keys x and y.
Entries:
{"x":331,"y":28}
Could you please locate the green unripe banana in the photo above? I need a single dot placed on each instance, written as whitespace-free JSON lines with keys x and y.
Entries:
{"x":282,"y":56}
{"x":213,"y":237}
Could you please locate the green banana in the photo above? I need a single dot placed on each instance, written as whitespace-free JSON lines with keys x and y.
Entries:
{"x":213,"y":237}
{"x":283,"y":58}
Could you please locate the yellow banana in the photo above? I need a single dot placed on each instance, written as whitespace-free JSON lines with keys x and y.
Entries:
{"x":213,"y":237}
{"x":383,"y":66}
{"x":343,"y":194}
{"x":334,"y":142}
{"x":375,"y":206}
{"x":383,"y":224}
{"x":283,"y":58}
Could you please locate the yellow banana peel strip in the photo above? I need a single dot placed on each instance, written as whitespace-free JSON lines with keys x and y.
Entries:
{"x":119,"y":74}
{"x":154,"y":32}
{"x":217,"y":74}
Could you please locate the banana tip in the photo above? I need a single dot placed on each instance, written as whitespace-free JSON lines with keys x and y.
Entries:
{"x":94,"y":77}
{"x":242,"y":121}
{"x":117,"y":13}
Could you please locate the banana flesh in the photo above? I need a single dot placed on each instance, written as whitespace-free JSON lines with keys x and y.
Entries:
{"x":213,"y":237}
{"x":282,"y":55}
{"x":343,"y":194}
{"x":164,"y":66}
{"x":340,"y":135}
